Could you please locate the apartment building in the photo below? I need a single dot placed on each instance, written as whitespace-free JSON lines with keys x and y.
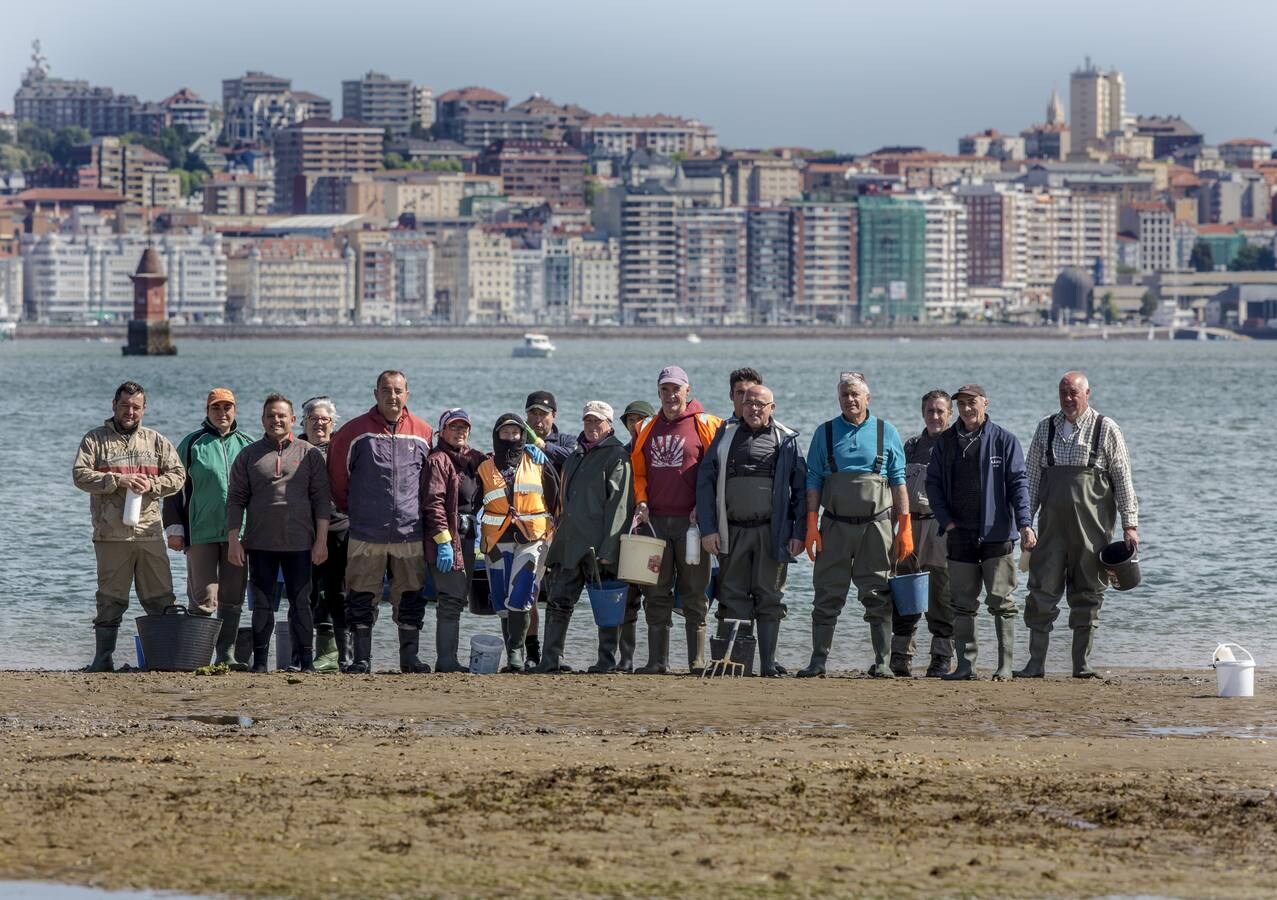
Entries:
{"x":712,"y":265}
{"x":823,"y":261}
{"x":317,"y":148}
{"x":291,"y":281}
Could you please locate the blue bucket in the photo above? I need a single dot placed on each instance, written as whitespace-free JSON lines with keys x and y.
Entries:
{"x":607,"y":600}
{"x":910,"y":593}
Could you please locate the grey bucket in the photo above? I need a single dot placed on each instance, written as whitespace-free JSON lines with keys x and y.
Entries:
{"x":1122,"y":564}
{"x":176,"y":642}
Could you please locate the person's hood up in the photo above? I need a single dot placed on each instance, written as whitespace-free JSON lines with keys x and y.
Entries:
{"x":505,"y":454}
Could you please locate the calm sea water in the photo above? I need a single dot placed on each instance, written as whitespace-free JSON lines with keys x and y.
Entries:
{"x":1196,"y":416}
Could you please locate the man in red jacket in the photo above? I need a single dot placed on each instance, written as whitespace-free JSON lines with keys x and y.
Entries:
{"x":666,"y":458}
{"x":374,"y":471}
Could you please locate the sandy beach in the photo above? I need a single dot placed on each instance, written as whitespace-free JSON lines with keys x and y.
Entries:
{"x":389,"y":785}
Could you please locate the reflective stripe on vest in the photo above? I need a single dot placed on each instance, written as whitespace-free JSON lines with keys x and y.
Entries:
{"x":529,"y":513}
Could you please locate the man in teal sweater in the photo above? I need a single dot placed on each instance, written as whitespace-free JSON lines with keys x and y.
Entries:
{"x":856,"y":471}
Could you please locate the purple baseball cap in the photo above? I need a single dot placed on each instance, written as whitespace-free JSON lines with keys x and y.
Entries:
{"x":452,"y":415}
{"x":673,"y":375}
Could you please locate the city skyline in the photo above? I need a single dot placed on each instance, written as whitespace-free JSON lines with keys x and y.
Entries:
{"x":808,"y":97}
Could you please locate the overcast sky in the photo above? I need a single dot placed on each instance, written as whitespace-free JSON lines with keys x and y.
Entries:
{"x":845,"y":75}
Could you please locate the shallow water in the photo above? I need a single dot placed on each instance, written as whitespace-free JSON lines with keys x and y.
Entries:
{"x":1196,"y":416}
{"x":39,"y":890}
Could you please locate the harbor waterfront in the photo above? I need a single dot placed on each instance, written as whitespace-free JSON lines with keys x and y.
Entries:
{"x":1192,"y":412}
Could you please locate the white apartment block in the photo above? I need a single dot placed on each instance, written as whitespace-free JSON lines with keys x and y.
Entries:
{"x":649,"y":256}
{"x":618,"y":135}
{"x":79,"y":277}
{"x":291,"y":281}
{"x":945,"y":257}
{"x":1068,"y":229}
{"x":423,"y":99}
{"x":1153,"y":225}
{"x":528,"y":264}
{"x":10,"y":287}
{"x":414,"y":261}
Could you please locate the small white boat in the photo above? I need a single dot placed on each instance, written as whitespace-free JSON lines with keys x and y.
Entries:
{"x":8,"y":331}
{"x":534,"y":346}
{"x":693,"y":338}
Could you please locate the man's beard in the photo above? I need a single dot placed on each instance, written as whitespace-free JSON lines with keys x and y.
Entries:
{"x":122,"y":429}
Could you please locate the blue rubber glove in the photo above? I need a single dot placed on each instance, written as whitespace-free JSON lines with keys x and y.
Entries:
{"x":446,"y":558}
{"x":537,"y":454}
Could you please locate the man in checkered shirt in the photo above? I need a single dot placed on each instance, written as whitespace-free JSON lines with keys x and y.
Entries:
{"x":1079,"y":482}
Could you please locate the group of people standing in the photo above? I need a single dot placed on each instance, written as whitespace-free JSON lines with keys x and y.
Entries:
{"x":336,"y":520}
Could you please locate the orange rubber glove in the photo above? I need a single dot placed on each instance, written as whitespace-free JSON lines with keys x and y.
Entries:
{"x":904,"y":537}
{"x":814,"y":544}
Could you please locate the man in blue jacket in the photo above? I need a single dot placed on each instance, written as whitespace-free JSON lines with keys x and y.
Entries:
{"x":979,"y":492}
{"x":751,"y":504}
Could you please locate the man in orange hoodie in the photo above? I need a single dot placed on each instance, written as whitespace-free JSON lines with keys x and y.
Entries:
{"x":666,"y":459}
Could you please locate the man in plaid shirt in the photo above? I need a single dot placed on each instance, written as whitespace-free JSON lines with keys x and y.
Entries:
{"x":1079,"y":482}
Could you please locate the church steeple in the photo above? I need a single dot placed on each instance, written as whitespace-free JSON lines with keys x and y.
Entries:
{"x":1055,"y":109}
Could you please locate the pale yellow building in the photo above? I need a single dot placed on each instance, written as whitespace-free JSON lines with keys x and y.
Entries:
{"x":596,"y":280}
{"x":291,"y":281}
{"x":474,"y":277}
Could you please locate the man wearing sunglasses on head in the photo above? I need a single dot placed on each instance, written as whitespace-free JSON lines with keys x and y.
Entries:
{"x":856,"y":471}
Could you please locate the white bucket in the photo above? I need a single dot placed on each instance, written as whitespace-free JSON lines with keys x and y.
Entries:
{"x":640,"y":561}
{"x":485,"y":654}
{"x":1236,"y":677}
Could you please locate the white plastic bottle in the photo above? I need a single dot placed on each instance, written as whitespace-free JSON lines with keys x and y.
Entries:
{"x":693,"y":549}
{"x":132,"y":508}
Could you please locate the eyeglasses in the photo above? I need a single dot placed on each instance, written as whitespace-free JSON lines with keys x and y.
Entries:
{"x":319,"y":420}
{"x":757,"y":404}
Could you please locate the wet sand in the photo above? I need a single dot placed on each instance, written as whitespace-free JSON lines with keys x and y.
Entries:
{"x":341,"y":786}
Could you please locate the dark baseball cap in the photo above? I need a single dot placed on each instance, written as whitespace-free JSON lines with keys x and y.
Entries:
{"x":541,"y":400}
{"x":971,"y":390}
{"x":639,"y":408}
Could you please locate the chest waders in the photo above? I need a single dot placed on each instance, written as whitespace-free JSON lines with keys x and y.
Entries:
{"x":751,"y":579}
{"x":855,"y":533}
{"x":1076,"y":517}
{"x":930,"y":556}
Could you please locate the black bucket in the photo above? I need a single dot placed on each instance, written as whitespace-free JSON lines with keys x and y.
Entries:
{"x":742,"y":650}
{"x":1121,"y":563}
{"x":176,"y":642}
{"x":480,"y":602}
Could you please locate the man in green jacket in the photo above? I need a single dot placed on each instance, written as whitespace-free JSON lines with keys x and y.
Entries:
{"x":593,"y":509}
{"x":195,"y":518}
